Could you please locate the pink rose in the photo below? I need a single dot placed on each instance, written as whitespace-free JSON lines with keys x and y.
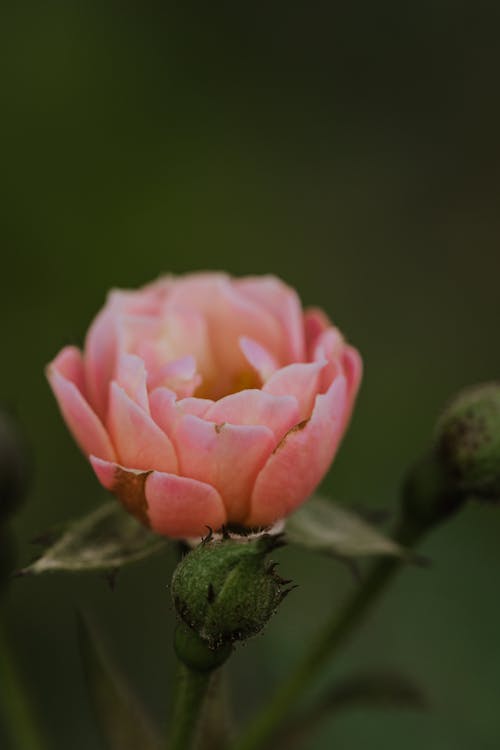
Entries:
{"x":204,"y":400}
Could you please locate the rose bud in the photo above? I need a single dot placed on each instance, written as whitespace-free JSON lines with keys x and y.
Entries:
{"x":204,"y":400}
{"x":468,"y":442}
{"x":227,"y":590}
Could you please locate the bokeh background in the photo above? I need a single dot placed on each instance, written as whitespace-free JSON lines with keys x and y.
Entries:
{"x":350,"y":148}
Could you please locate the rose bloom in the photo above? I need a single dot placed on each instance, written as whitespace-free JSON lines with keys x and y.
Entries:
{"x":205,"y":400}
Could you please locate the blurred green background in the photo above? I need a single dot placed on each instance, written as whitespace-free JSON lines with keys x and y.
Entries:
{"x":351,"y":148}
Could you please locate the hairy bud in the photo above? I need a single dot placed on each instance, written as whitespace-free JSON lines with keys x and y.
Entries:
{"x":468,"y":442}
{"x":227,"y":590}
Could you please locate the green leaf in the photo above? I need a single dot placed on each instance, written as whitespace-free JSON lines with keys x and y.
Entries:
{"x":123,"y":721}
{"x":106,"y":539}
{"x":377,"y":690}
{"x":323,"y":526}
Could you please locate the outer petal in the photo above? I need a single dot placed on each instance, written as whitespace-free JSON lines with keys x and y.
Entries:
{"x":140,"y":443}
{"x":299,"y":380}
{"x":182,"y":507}
{"x":100,"y":358}
{"x":226,"y":456}
{"x":329,"y":346}
{"x":298,"y":465}
{"x":85,"y":426}
{"x":315,"y":322}
{"x":254,"y":407}
{"x":171,"y":505}
{"x":69,"y":364}
{"x":353,"y":368}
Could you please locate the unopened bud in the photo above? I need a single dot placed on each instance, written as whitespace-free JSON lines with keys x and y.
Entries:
{"x":468,"y":442}
{"x":227,"y":590}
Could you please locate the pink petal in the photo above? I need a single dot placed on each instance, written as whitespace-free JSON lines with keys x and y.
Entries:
{"x":298,"y":465}
{"x":131,"y":376}
{"x":299,"y":380}
{"x":84,"y":424}
{"x":329,"y":345}
{"x":69,"y":364}
{"x":100,"y":357}
{"x":179,"y":376}
{"x":147,"y":300}
{"x":259,"y":358}
{"x":196,"y":406}
{"x":353,"y":369}
{"x":140,"y":443}
{"x":254,"y":407}
{"x":315,"y":322}
{"x":173,"y":506}
{"x":164,"y":411}
{"x":181,"y":507}
{"x":226,"y":456}
{"x":230,"y":315}
{"x":283,"y":302}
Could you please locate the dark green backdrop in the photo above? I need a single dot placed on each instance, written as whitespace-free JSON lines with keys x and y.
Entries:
{"x":350,"y":148}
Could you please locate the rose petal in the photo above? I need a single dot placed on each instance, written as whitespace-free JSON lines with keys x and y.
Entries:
{"x":299,"y":380}
{"x":179,"y":376}
{"x":181,"y":507}
{"x":173,"y":506}
{"x":297,"y":466}
{"x":258,"y":357}
{"x":69,"y":364}
{"x":226,"y":456}
{"x":353,"y":369}
{"x":329,"y":345}
{"x":230,"y":315}
{"x":196,"y":406}
{"x":100,"y":357}
{"x":284,"y":303}
{"x":84,"y":424}
{"x":139,"y":442}
{"x":164,"y":411}
{"x":131,"y":376}
{"x":254,"y":407}
{"x":315,"y":322}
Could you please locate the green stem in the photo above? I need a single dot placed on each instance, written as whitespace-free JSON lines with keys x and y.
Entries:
{"x":262,"y":730}
{"x":192,"y":688}
{"x":21,"y":725}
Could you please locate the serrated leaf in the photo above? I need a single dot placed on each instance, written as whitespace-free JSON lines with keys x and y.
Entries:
{"x":324,"y":526}
{"x":123,"y":722}
{"x":106,"y":539}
